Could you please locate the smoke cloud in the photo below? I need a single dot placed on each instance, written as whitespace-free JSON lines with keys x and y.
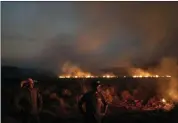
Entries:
{"x":169,"y":89}
{"x":93,"y":35}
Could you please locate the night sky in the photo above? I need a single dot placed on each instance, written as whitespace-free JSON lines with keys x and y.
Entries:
{"x":92,"y":35}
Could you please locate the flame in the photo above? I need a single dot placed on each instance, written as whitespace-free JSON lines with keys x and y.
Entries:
{"x":168,"y":76}
{"x":73,"y":71}
{"x":88,"y":76}
{"x":109,"y":75}
{"x":139,"y":73}
{"x":163,"y":100}
{"x":61,"y":76}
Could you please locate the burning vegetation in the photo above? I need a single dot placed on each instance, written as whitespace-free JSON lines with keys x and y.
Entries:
{"x":72,"y":71}
{"x":166,"y":101}
{"x":128,"y":101}
{"x":139,"y":73}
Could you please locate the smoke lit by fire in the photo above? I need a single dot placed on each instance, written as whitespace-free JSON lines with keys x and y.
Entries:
{"x":169,"y":65}
{"x":73,"y":71}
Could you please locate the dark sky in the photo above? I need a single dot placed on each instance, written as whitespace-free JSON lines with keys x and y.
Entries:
{"x":92,"y":35}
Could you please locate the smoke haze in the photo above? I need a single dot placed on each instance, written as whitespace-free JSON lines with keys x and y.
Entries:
{"x":93,"y":35}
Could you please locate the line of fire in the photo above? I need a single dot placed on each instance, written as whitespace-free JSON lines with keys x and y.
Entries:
{"x":113,"y":76}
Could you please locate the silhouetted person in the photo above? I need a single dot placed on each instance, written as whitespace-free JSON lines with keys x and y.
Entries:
{"x":94,"y":101}
{"x":29,"y":102}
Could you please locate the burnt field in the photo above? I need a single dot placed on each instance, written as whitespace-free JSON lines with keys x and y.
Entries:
{"x":60,"y":98}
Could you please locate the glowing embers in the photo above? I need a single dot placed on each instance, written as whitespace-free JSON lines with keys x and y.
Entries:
{"x":167,"y":105}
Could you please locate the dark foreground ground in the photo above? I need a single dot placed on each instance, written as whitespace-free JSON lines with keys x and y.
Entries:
{"x":115,"y":114}
{"x":127,"y":117}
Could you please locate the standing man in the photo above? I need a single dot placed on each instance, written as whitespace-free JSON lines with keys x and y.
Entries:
{"x":29,"y":102}
{"x":94,"y":103}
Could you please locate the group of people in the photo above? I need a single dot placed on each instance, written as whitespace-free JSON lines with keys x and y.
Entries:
{"x":29,"y":103}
